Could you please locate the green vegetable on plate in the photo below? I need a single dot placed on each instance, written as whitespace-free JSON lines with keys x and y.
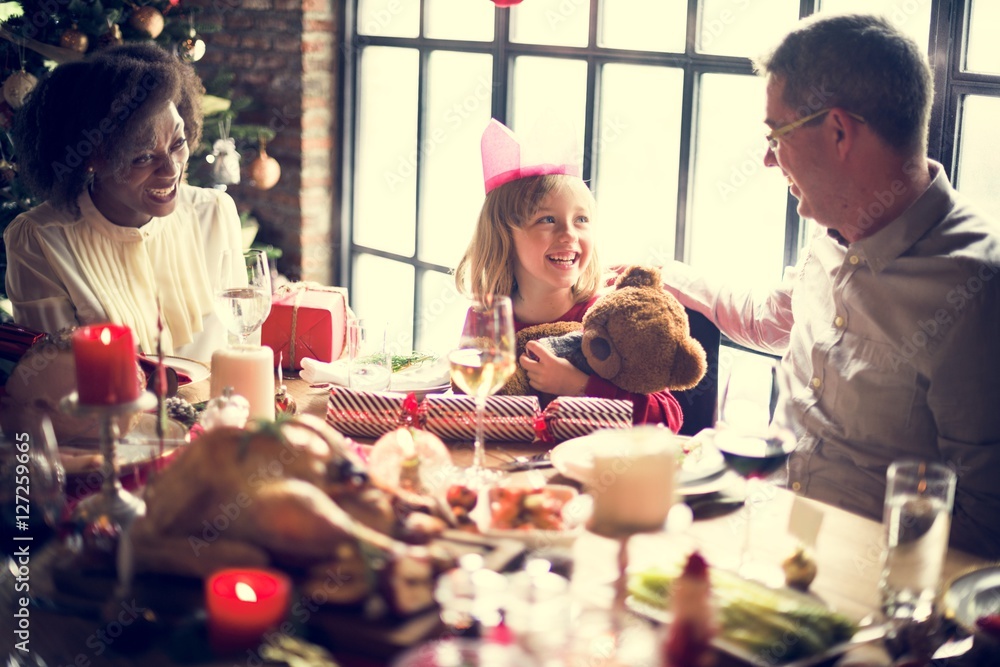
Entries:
{"x":782,"y":624}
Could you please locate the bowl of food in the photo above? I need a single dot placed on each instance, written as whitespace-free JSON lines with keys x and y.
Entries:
{"x":540,"y":516}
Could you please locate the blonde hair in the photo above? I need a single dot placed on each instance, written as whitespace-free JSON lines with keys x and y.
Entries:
{"x":487,"y":267}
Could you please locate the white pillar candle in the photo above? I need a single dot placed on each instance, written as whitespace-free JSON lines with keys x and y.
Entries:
{"x":249,"y":370}
{"x":633,"y":482}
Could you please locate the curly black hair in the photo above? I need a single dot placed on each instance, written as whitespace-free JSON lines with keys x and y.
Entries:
{"x":100,"y":108}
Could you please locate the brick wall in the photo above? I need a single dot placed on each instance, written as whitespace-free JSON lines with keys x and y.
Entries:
{"x":282,"y":56}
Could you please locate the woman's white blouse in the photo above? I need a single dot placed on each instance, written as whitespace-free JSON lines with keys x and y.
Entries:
{"x":64,"y":272}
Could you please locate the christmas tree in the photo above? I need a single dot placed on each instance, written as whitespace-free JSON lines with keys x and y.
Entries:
{"x":37,"y":35}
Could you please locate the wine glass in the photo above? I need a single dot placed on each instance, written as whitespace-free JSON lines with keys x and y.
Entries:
{"x":32,"y":486}
{"x":755,"y":445}
{"x":481,"y":365}
{"x":243,"y":295}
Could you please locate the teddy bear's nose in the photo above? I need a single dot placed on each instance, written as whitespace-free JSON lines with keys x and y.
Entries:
{"x":600,"y":348}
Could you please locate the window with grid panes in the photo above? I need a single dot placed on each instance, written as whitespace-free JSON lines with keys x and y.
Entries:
{"x":666,"y":105}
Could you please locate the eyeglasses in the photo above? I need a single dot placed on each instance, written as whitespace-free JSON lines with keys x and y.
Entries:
{"x":778,"y":132}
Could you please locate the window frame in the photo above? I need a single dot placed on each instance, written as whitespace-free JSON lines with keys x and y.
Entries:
{"x":946,"y":45}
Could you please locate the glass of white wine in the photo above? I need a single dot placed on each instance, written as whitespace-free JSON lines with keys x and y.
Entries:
{"x":243,"y":296}
{"x":481,"y":365}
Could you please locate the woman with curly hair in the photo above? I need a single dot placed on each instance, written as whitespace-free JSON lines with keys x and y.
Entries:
{"x":105,"y":143}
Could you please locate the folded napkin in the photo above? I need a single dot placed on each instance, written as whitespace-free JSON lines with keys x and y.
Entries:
{"x":424,"y":375}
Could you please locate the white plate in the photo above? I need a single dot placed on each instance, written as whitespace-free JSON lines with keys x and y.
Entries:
{"x":973,"y":595}
{"x":139,"y":447}
{"x":420,"y":393}
{"x":864,"y":635}
{"x":575,"y":459}
{"x":713,"y":484}
{"x":195,"y":370}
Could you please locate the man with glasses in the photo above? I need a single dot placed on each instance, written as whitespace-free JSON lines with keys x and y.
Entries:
{"x":888,"y":324}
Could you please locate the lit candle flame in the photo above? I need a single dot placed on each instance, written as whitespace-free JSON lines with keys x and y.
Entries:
{"x":106,"y":336}
{"x":245,"y":593}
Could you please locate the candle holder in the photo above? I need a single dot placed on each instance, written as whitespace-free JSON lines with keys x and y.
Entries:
{"x":112,"y":507}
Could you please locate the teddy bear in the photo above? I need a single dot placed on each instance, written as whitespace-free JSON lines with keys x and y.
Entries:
{"x":636,"y":336}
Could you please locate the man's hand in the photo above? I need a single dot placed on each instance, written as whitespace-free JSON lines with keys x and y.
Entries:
{"x":550,"y":374}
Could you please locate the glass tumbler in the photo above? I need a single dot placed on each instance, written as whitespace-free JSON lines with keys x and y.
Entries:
{"x":919,"y":497}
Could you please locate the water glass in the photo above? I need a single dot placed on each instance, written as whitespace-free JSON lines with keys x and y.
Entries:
{"x":919,"y":497}
{"x":369,"y":364}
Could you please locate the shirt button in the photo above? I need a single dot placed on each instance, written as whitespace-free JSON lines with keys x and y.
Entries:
{"x":853,"y":259}
{"x":796,"y":486}
{"x":838,"y":321}
{"x":815,"y":382}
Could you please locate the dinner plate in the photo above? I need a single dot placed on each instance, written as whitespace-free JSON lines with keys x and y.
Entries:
{"x":864,"y":635}
{"x":139,"y":447}
{"x":575,"y":459}
{"x":973,"y":595}
{"x":420,"y":393}
{"x":195,"y":370}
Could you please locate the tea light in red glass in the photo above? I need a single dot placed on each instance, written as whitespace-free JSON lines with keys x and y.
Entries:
{"x":106,"y":372}
{"x":242,"y":605}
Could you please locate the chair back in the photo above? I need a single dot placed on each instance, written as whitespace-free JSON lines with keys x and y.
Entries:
{"x":700,"y":403}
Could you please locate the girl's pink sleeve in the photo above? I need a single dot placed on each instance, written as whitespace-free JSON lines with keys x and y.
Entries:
{"x":658,"y":408}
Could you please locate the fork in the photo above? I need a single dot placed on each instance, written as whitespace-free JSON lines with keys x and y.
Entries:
{"x":518,"y":463}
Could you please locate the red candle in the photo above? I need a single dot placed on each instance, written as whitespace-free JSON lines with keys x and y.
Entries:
{"x":242,"y":605}
{"x":105,"y":365}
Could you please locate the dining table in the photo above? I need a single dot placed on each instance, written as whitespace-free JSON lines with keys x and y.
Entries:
{"x":847,"y":550}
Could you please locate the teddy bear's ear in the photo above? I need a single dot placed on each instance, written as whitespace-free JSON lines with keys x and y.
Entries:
{"x":638,"y":276}
{"x":689,"y":365}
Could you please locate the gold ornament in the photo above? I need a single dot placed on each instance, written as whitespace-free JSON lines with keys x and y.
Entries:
{"x":113,"y":37}
{"x":17,"y":87}
{"x":8,"y":170}
{"x":284,"y":403}
{"x":148,"y":20}
{"x":264,"y":170}
{"x":75,"y":40}
{"x":192,"y":49}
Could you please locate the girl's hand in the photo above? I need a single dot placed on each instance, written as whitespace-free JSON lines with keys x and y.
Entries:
{"x":550,"y":374}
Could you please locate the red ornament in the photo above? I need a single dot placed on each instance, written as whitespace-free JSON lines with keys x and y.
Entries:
{"x":506,"y":3}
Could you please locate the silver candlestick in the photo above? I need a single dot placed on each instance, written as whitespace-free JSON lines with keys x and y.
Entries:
{"x":113,"y":507}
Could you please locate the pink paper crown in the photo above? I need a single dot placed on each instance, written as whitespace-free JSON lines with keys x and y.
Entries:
{"x":503,"y":160}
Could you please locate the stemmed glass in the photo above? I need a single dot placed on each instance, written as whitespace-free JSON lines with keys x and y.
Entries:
{"x":754,"y":446}
{"x":243,"y":295}
{"x":32,"y":485}
{"x":481,"y":365}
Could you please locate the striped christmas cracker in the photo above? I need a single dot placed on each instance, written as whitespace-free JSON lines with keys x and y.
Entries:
{"x":572,"y":416}
{"x":508,"y":418}
{"x":364,"y":414}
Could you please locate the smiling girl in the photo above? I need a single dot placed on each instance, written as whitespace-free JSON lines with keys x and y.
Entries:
{"x":105,"y":143}
{"x":534,"y":242}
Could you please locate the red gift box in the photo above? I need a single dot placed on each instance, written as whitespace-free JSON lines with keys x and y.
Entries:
{"x":306,"y":320}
